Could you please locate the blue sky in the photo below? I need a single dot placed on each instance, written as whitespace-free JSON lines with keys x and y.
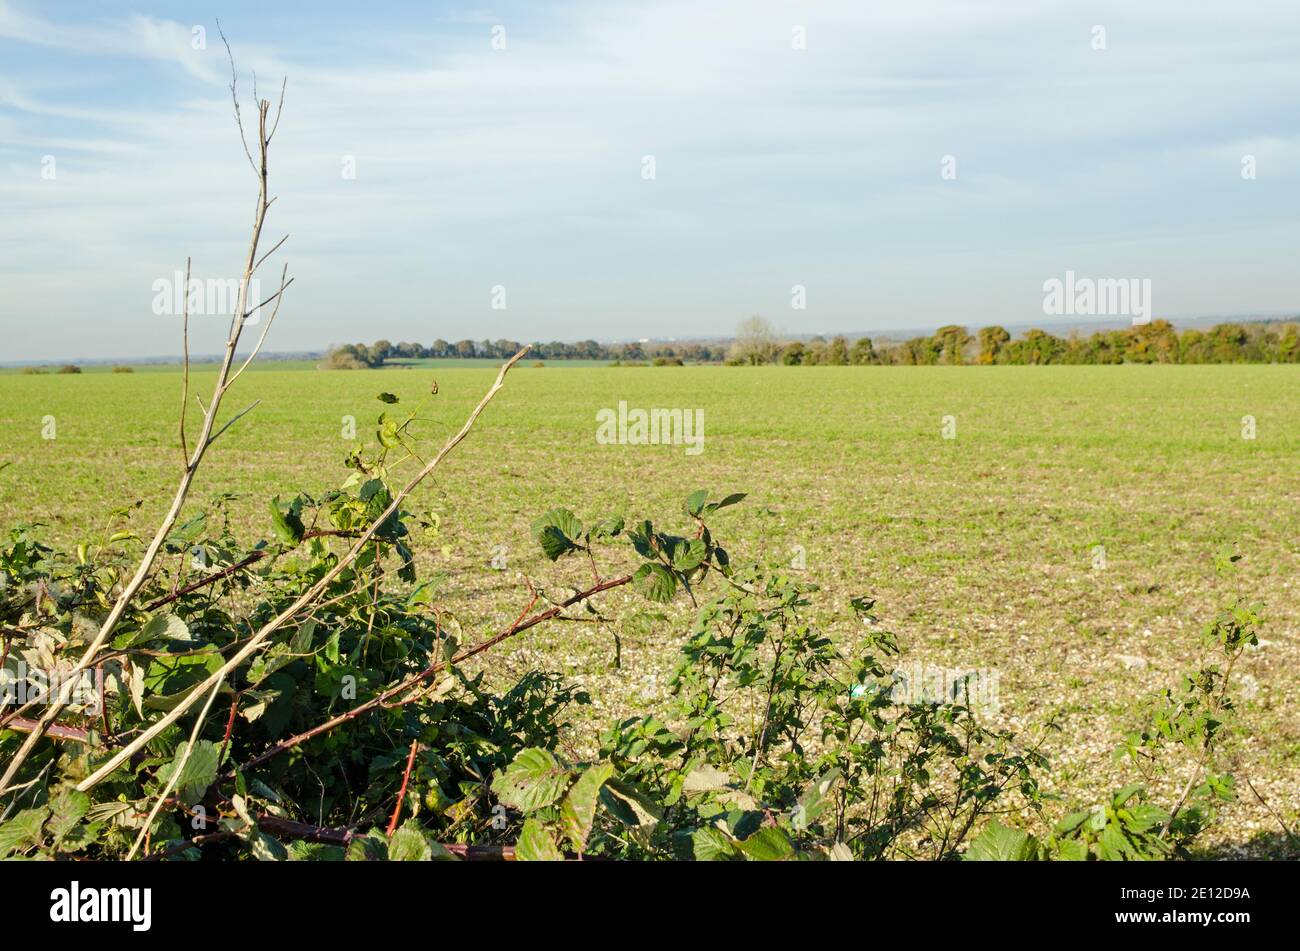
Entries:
{"x":522,"y":167}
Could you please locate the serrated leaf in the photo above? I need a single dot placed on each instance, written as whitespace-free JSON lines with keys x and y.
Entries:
{"x":267,"y":849}
{"x":562,"y":519}
{"x":536,"y":845}
{"x":22,"y":831}
{"x":372,"y":847}
{"x":288,"y":528}
{"x":199,"y":772}
{"x":999,"y":843}
{"x":554,"y":542}
{"x":709,"y":844}
{"x":689,"y":553}
{"x":578,"y":811}
{"x":768,"y":844}
{"x":534,"y":779}
{"x":408,"y":844}
{"x":655,"y":582}
{"x":67,"y":807}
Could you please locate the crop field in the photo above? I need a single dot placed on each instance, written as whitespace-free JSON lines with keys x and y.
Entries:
{"x":1061,"y":526}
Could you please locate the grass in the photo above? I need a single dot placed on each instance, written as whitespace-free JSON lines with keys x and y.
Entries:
{"x":980,"y":548}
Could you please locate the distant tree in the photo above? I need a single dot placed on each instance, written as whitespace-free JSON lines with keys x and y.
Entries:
{"x":755,"y":342}
{"x":350,"y":356}
{"x":440,"y":348}
{"x":69,"y":368}
{"x":464,"y":348}
{"x":992,"y":340}
{"x":837,"y":354}
{"x":863,"y":352}
{"x":793,"y":354}
{"x":380,"y":350}
{"x":949,"y":344}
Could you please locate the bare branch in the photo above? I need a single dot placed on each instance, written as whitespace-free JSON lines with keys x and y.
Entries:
{"x":59,"y":699}
{"x":257,"y":640}
{"x":234,"y":419}
{"x":274,"y":249}
{"x":234,"y":96}
{"x":185,"y":348}
{"x":278,"y":297}
{"x":278,"y":109}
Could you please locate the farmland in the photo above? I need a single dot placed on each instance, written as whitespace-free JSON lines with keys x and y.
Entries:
{"x":1066,"y":536}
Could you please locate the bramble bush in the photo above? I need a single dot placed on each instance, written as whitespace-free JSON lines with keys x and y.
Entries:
{"x":362,"y":730}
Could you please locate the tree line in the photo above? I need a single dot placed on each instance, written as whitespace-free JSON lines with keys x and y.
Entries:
{"x":756,"y":342}
{"x":1156,"y":342}
{"x":356,"y":355}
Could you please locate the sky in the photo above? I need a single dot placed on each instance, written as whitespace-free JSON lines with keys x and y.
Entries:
{"x":654,"y":169}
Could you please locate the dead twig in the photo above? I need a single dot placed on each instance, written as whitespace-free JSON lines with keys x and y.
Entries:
{"x":257,"y":640}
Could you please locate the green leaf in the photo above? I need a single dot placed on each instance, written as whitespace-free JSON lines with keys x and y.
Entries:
{"x":562,"y":519}
{"x":267,"y":849}
{"x":578,"y":812}
{"x":22,"y":831}
{"x":372,"y":847}
{"x":631,"y":804}
{"x":1072,"y":850}
{"x":556,"y":532}
{"x":534,"y":779}
{"x":689,"y":553}
{"x":695,"y":501}
{"x":1072,"y":821}
{"x":67,"y":806}
{"x":1124,"y":795}
{"x":732,"y":499}
{"x":536,"y":845}
{"x":998,"y":843}
{"x":554,"y":542}
{"x":713,"y":845}
{"x":160,"y":627}
{"x":655,"y":582}
{"x":768,"y":844}
{"x":408,"y":844}
{"x":199,"y":773}
{"x":815,"y":799}
{"x":288,"y":528}
{"x":387,"y":398}
{"x":641,"y":536}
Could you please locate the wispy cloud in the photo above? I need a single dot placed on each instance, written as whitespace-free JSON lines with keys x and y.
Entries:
{"x":478,"y":166}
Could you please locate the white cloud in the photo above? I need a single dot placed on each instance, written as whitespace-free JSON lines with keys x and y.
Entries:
{"x":522,"y":167}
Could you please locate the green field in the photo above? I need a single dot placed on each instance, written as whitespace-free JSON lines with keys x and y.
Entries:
{"x":980,"y":549}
